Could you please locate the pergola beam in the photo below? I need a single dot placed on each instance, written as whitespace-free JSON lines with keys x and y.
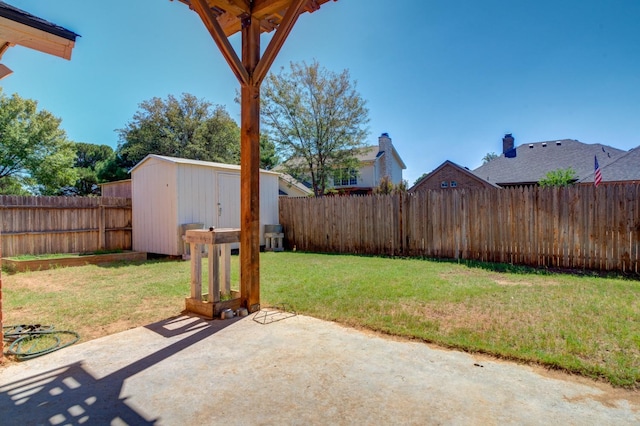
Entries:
{"x":211,"y":22}
{"x":285,"y":27}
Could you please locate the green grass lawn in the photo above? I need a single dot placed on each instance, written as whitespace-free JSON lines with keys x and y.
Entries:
{"x":585,"y":325}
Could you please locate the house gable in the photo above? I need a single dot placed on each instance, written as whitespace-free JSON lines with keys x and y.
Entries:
{"x":449,"y":175}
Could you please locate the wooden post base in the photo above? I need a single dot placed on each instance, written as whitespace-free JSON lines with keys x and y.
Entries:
{"x":212,"y":309}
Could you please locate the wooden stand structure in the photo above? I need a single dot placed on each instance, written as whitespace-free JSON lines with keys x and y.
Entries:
{"x":273,"y":241}
{"x":218,"y":243}
{"x":224,"y":18}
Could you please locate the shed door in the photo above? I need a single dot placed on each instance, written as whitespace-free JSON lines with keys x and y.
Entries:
{"x":228,"y":200}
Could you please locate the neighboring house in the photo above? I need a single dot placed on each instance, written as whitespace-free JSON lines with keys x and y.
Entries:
{"x":449,"y":175}
{"x":376,"y":162}
{"x":288,"y":186}
{"x":529,"y":163}
{"x":625,"y":168}
{"x":170,"y":195}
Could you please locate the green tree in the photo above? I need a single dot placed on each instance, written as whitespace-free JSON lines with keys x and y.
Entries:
{"x":422,"y":176}
{"x":385,"y":186}
{"x":489,"y":156}
{"x":89,"y":158}
{"x":187,"y":127}
{"x":110,"y":170}
{"x":559,"y":177}
{"x":268,"y":155}
{"x":401,"y":188}
{"x":317,"y":120}
{"x":35,"y":155}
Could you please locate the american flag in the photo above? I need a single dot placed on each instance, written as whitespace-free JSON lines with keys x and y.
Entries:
{"x":597,"y":177}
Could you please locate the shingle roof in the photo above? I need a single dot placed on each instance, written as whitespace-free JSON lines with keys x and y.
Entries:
{"x":534,"y":160}
{"x":18,"y":15}
{"x":368,"y":153}
{"x":623,"y":168}
{"x":177,"y":160}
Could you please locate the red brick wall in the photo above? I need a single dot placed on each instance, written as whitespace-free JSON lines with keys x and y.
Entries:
{"x":449,"y":174}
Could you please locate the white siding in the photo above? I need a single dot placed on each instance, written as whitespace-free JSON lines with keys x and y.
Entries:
{"x":367,"y":176}
{"x":396,"y":171}
{"x":269,"y":208}
{"x":229,"y":200}
{"x":197,"y":198}
{"x":167,"y":194}
{"x":154,"y":205}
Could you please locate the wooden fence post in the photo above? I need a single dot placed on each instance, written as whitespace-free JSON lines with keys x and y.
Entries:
{"x":102,"y":237}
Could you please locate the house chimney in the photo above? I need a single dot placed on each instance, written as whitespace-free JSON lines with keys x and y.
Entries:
{"x":507,"y":143}
{"x":385,"y":145}
{"x":508,"y":146}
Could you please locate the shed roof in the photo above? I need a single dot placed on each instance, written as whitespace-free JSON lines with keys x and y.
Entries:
{"x":176,"y":160}
{"x":534,"y":160}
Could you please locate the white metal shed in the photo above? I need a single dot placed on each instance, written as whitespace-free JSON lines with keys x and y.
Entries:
{"x":168,"y":193}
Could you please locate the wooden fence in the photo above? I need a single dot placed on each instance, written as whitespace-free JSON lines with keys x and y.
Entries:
{"x":577,"y":227}
{"x":37,"y":225}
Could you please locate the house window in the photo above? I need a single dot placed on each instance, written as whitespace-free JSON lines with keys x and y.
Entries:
{"x":454,"y":184}
{"x":345,"y":177}
{"x":444,"y":184}
{"x":353,"y":177}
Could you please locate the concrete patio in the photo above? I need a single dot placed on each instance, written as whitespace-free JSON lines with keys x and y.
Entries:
{"x":299,"y":370}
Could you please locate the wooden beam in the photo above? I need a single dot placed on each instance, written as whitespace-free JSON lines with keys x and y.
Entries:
{"x":234,"y":7}
{"x":33,"y":38}
{"x":263,"y":8}
{"x":4,"y":47}
{"x":250,"y":171}
{"x":210,"y":21}
{"x":285,"y":27}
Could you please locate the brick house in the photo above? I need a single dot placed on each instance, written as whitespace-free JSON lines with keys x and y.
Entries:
{"x":449,"y":175}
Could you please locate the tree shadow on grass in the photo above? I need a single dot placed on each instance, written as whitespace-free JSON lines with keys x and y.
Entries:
{"x":72,"y":394}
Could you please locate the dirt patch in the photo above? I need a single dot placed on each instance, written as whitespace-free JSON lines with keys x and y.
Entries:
{"x":37,"y":282}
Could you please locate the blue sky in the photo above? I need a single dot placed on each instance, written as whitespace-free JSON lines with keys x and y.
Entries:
{"x":446,"y":79}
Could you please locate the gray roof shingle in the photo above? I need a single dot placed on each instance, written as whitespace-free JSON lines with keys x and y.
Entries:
{"x":534,"y":160}
{"x":623,"y":168}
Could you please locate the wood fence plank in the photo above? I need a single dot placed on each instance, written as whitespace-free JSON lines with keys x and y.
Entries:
{"x":579,"y":227}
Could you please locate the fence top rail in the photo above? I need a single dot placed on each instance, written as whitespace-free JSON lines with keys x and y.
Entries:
{"x":21,"y":201}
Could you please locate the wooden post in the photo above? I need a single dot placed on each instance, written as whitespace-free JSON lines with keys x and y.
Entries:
{"x":214,"y":268}
{"x":196,"y":272}
{"x":225,"y":268}
{"x":250,"y":71}
{"x":102,"y":237}
{"x":250,"y":170}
